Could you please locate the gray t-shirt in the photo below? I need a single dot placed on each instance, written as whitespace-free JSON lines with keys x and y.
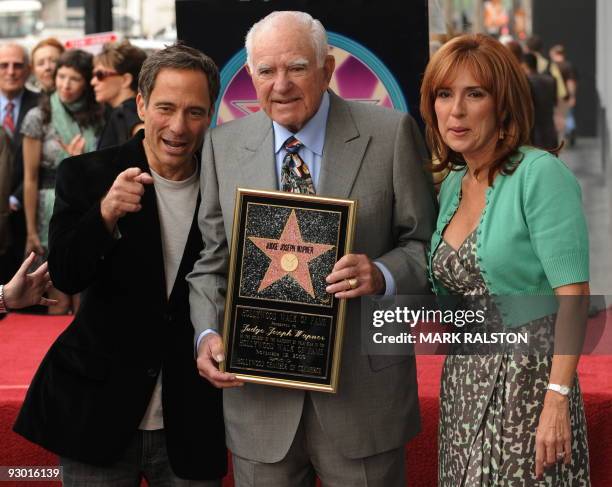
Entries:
{"x":176,"y":206}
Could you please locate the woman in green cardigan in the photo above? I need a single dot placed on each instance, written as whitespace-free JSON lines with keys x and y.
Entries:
{"x":510,"y":223}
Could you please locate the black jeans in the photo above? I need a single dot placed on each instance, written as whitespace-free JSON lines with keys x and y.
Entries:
{"x":145,"y":457}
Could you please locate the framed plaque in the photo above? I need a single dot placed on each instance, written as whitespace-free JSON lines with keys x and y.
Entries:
{"x":281,"y":328}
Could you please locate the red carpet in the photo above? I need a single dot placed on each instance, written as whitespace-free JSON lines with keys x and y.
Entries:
{"x":24,"y":339}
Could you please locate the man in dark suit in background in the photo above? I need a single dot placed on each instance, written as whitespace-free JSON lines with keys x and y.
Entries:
{"x":15,"y":101}
{"x":544,"y":95}
{"x":118,"y":395}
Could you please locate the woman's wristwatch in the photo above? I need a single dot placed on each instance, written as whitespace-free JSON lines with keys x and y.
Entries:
{"x":563,"y":390}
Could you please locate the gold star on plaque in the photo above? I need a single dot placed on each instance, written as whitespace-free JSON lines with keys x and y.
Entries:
{"x":289,"y":255}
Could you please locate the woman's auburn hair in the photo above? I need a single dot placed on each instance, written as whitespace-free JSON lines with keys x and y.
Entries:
{"x":498,"y":71}
{"x":48,"y":42}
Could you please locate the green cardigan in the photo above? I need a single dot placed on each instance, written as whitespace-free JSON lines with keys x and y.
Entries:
{"x":532,"y":236}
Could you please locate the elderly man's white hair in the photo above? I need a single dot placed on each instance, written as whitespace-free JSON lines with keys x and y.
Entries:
{"x":316,"y":29}
{"x":26,"y":56}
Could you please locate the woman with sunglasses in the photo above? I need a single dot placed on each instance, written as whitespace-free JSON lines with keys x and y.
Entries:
{"x":115,"y":82}
{"x":67,"y":122}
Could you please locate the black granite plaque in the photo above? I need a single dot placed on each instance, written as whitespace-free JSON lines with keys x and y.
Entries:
{"x":281,"y":327}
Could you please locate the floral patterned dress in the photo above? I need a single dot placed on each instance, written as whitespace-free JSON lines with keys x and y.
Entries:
{"x":490,"y":403}
{"x":34,"y":128}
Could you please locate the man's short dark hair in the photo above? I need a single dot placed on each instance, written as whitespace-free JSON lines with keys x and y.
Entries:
{"x":178,"y":56}
{"x":534,"y":43}
{"x":531,"y":61}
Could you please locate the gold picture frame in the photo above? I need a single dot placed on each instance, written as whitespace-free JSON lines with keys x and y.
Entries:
{"x":280,"y":326}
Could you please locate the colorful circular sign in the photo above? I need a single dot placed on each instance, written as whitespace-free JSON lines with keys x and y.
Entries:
{"x":359,"y":76}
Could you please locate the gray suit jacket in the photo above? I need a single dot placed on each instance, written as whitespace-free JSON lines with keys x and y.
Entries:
{"x":375,"y":156}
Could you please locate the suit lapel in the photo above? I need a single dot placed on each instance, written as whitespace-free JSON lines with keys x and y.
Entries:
{"x":28,"y":100}
{"x":257,"y":167}
{"x":343,"y":151}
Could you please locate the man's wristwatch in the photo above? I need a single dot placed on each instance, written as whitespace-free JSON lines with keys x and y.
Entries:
{"x":2,"y":302}
{"x":563,"y":390}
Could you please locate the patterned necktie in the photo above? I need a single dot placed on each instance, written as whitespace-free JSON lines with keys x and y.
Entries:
{"x":295,"y":175}
{"x":8,"y":123}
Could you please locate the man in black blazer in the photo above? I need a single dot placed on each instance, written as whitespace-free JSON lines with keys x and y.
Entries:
{"x":14,"y":72}
{"x":118,"y":395}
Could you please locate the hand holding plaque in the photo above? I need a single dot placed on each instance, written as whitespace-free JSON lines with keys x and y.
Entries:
{"x":355,"y":275}
{"x":211,"y":353}
{"x":282,"y":327}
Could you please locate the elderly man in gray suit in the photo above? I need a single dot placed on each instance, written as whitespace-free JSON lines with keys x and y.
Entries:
{"x":284,"y":437}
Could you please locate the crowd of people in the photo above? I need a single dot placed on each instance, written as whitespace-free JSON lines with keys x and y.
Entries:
{"x":82,"y":103}
{"x":141,"y":227}
{"x":553,"y":83}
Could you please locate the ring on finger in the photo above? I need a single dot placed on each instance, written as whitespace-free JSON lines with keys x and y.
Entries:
{"x":560,"y":455}
{"x":353,"y":283}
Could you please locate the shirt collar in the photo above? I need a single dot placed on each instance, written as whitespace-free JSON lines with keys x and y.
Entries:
{"x":4,"y":100}
{"x":312,"y":135}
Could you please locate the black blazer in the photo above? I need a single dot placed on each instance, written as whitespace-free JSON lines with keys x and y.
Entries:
{"x":93,"y":387}
{"x":120,"y":124}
